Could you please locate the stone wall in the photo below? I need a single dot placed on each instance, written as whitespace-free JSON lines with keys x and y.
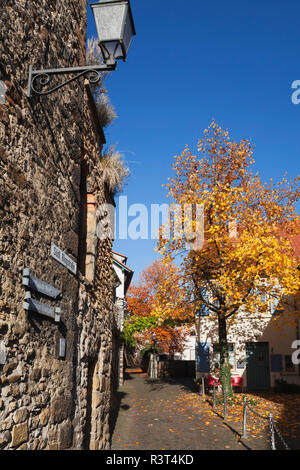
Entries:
{"x":96,"y":318}
{"x":49,"y":155}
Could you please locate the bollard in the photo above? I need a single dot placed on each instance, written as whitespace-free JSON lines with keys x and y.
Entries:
{"x":272,"y":436}
{"x":203,"y":386}
{"x":244,"y":435}
{"x":225,"y":405}
{"x":214,"y":396}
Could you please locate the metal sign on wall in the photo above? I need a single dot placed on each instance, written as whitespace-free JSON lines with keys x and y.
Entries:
{"x":39,"y":286}
{"x":2,"y":353}
{"x":62,"y":348}
{"x":2,"y":92}
{"x":63,"y":258}
{"x":36,"y":306}
{"x":43,"y":309}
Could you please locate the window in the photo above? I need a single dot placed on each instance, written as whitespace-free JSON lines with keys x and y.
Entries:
{"x":288,"y":364}
{"x":216,"y":354}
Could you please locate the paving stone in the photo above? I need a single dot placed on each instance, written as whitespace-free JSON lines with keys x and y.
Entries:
{"x":149,"y":418}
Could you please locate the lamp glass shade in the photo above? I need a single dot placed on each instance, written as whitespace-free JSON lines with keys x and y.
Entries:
{"x":111,"y":49}
{"x":129,"y":31}
{"x":114,"y":24}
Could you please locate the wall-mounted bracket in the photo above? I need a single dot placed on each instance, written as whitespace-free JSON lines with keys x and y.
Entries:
{"x":39,"y":79}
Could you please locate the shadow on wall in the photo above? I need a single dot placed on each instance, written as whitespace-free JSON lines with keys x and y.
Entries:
{"x":116,"y":405}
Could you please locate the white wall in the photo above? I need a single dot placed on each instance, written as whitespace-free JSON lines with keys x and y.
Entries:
{"x":280,"y":335}
{"x":121,"y":276}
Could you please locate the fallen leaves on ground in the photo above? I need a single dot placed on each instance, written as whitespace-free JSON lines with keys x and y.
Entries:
{"x":285,"y":409}
{"x":189,"y":411}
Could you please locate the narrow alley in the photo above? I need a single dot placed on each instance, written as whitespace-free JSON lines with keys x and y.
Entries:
{"x":158,"y":415}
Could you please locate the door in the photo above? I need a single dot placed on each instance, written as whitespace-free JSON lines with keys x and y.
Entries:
{"x":89,"y":427}
{"x":258,"y":372}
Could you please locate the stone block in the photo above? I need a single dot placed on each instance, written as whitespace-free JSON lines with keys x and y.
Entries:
{"x":8,"y":368}
{"x":20,"y":415}
{"x":65,"y":436}
{"x":60,"y":409}
{"x":96,"y":399}
{"x":52,"y":446}
{"x":12,"y":406}
{"x":6,"y":424}
{"x":4,"y":438}
{"x":46,"y":373}
{"x":71,"y":242}
{"x":14,"y":390}
{"x":19,"y":434}
{"x":13,"y":378}
{"x":16,"y":175}
{"x":34,"y":423}
{"x":22,"y":447}
{"x":36,"y":375}
{"x":44,"y":417}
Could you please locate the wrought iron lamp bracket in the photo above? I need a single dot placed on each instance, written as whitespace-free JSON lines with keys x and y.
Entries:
{"x":38,"y":79}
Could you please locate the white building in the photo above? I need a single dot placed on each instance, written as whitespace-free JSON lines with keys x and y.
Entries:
{"x":260,"y":348}
{"x":189,"y":352}
{"x":124,"y":274}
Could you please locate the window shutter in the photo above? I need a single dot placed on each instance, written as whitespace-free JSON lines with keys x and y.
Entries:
{"x":276,"y":363}
{"x":203,"y":360}
{"x":203,"y":310}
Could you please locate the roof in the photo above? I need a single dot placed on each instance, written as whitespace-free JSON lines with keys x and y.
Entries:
{"x":129,"y":271}
{"x":122,"y":265}
{"x":294,"y":240}
{"x":120,"y":254}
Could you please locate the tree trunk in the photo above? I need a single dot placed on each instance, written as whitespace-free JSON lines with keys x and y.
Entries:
{"x":225,"y":374}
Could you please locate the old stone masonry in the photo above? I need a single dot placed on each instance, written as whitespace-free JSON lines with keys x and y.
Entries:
{"x":57,"y":311}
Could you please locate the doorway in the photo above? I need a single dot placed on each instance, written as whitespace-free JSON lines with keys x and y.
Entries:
{"x":89,"y":432}
{"x":258,"y":370}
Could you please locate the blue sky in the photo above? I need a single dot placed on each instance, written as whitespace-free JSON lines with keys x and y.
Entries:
{"x":194,"y":61}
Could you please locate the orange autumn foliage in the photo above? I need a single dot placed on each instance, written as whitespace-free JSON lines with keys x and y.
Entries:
{"x":159,"y":296}
{"x":248,"y":224}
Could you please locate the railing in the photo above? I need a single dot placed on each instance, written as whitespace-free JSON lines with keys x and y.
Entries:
{"x":273,"y":429}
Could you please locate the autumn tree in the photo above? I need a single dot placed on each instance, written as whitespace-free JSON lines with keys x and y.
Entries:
{"x":247,"y":228}
{"x":157,"y":310}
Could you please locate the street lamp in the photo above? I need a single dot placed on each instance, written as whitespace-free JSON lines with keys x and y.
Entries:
{"x":154,"y":340}
{"x":115,"y":29}
{"x":154,"y":358}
